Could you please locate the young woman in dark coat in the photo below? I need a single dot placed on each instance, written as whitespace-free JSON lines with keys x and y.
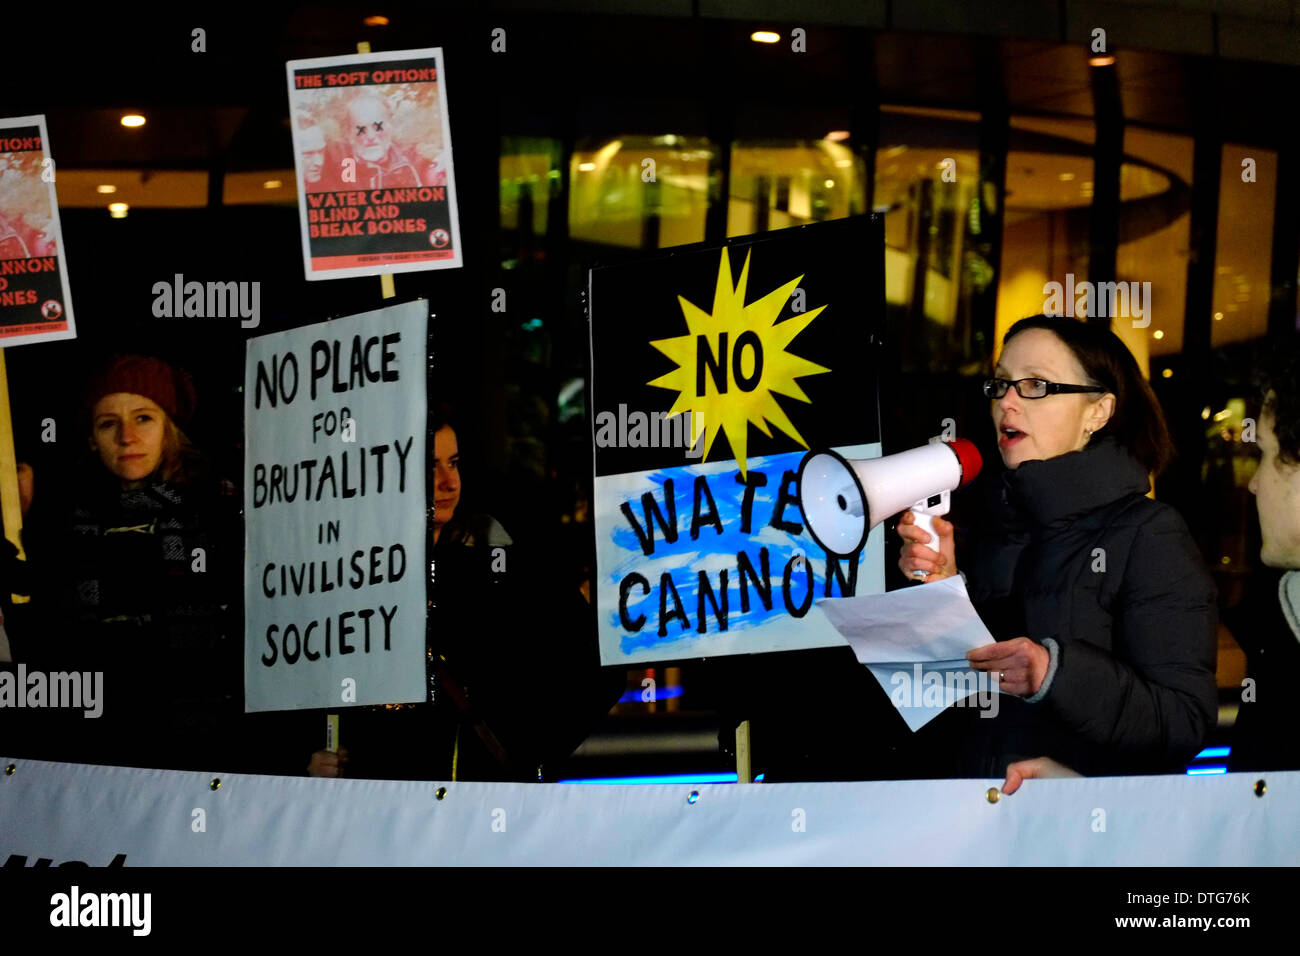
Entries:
{"x":136,"y":580}
{"x":1103,"y":610}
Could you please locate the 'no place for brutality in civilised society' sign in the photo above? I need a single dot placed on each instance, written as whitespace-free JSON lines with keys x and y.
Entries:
{"x":334,"y":512}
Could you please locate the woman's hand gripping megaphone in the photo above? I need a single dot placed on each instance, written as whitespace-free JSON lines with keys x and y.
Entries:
{"x":922,"y":558}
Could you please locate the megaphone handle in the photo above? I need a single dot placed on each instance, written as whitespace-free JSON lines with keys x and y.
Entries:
{"x":925,"y":521}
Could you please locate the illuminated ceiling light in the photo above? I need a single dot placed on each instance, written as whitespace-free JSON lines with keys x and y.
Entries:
{"x":1225,"y":560}
{"x":105,"y":189}
{"x":1086,"y":186}
{"x":1167,"y":373}
{"x":132,"y":120}
{"x":837,"y":135}
{"x":1065,"y":177}
{"x":272,"y":184}
{"x":379,"y":21}
{"x":1205,"y":413}
{"x":1159,"y":334}
{"x":829,"y":184}
{"x":1106,"y":60}
{"x":765,"y":36}
{"x":586,"y":167}
{"x":1218,"y":316}
{"x":118,"y":210}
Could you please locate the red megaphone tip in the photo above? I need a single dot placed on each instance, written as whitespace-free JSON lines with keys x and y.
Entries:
{"x":969,"y":457}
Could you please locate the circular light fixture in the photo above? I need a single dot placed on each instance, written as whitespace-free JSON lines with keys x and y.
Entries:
{"x":105,"y":189}
{"x":118,"y":210}
{"x":765,"y":36}
{"x":1218,"y":316}
{"x":132,"y":120}
{"x":1158,"y":334}
{"x":1167,"y":373}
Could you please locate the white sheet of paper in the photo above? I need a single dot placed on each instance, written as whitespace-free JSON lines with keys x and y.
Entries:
{"x":906,"y":635}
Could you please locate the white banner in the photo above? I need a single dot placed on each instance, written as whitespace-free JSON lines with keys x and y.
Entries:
{"x":125,"y":817}
{"x":334,"y":512}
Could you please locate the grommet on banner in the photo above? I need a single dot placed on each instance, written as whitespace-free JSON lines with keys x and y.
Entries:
{"x":214,"y":783}
{"x":695,"y":795}
{"x":440,"y":792}
{"x":1260,"y":788}
{"x":993,"y":795}
{"x":11,"y":769}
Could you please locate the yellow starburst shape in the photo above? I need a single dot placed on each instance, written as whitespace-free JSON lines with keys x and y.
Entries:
{"x":732,"y":361}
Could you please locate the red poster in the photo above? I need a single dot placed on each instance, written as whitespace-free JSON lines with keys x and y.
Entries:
{"x":372,"y":145}
{"x":34,"y":301}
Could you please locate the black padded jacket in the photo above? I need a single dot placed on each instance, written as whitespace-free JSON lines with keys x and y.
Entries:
{"x":1069,"y":552}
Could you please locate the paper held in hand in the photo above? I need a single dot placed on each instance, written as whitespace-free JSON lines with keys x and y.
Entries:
{"x":914,"y":642}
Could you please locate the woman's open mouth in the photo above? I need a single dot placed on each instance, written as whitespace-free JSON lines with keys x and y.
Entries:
{"x":1009,"y":436}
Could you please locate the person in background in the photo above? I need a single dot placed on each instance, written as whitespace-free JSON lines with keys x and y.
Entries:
{"x":1103,"y":610}
{"x":1266,"y":735}
{"x":513,"y":681}
{"x":133,"y":577}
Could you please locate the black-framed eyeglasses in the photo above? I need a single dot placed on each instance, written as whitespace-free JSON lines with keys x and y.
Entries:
{"x":1034,"y":388}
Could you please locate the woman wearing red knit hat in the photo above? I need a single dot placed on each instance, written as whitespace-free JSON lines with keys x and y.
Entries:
{"x":134,"y":581}
{"x":134,"y":405}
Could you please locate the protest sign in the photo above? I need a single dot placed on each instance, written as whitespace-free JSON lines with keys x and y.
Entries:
{"x":334,"y":512}
{"x":34,"y":302}
{"x":372,"y":147}
{"x":713,"y":372}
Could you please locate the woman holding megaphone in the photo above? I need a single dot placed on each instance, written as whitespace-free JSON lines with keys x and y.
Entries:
{"x":1103,"y":610}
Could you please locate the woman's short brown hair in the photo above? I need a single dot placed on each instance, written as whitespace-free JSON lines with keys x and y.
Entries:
{"x":1138,"y":422}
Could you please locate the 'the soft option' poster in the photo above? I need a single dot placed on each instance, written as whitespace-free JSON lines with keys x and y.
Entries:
{"x":713,"y":372}
{"x":35,"y":305}
{"x":372,"y":146}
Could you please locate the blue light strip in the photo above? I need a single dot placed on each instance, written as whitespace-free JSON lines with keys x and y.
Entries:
{"x":667,"y":778}
{"x":662,"y":693}
{"x":1197,"y":771}
{"x":1213,"y":752}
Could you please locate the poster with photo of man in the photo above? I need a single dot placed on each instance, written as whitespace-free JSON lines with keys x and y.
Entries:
{"x":372,"y":148}
{"x":34,"y":302}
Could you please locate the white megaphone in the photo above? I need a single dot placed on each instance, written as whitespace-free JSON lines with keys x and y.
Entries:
{"x":843,"y":500}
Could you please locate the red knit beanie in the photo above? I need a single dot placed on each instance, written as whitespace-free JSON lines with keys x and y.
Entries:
{"x":153,"y":378}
